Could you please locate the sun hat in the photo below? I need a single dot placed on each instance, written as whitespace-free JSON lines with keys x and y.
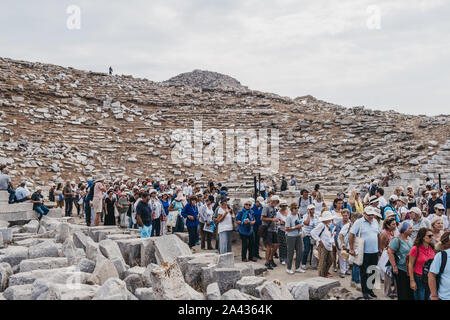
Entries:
{"x":275,"y":198}
{"x":393,"y":198}
{"x":373,"y":199}
{"x":403,"y":199}
{"x":38,"y":188}
{"x":370,"y":211}
{"x":260,"y":199}
{"x":326,"y":216}
{"x":152,"y":191}
{"x":439,"y":206}
{"x":311,"y":206}
{"x":99,"y":178}
{"x":415,"y":210}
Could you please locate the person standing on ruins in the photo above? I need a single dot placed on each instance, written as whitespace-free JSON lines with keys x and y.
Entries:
{"x":225,"y":226}
{"x":323,"y":236}
{"x":6,"y":184}
{"x":245,"y":222}
{"x":97,"y":200}
{"x":144,"y":215}
{"x":257,"y":211}
{"x":262,"y":189}
{"x":304,"y":201}
{"x":157,"y":211}
{"x":190,"y":213}
{"x":68,"y":199}
{"x":270,"y":230}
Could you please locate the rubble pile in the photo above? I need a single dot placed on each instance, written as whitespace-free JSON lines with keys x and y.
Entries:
{"x":58,"y":123}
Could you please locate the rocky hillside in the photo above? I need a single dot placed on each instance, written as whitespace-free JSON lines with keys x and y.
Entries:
{"x":58,"y":123}
{"x":206,"y":79}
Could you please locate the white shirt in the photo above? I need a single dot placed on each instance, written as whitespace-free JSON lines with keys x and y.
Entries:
{"x":22,"y":193}
{"x":282,"y":218}
{"x":325,"y":236}
{"x":318,"y":207}
{"x":187,"y":191}
{"x":262,"y":186}
{"x":226,"y":224}
{"x":156,"y":207}
{"x":382,"y":202}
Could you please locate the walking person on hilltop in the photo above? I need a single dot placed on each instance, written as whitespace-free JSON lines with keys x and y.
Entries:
{"x":110,"y":71}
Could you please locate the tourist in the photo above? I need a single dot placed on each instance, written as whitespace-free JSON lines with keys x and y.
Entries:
{"x":165,"y":205}
{"x":439,"y":211}
{"x":318,"y":201}
{"x":399,"y":248}
{"x":131,"y":213}
{"x":88,"y":203}
{"x":355,"y":202}
{"x":367,"y":228}
{"x":270,"y":233}
{"x":37,"y":199}
{"x":336,"y":211}
{"x":6,"y":184}
{"x":68,"y":198}
{"x":206,"y":214}
{"x":157,"y":211}
{"x":123,"y":205}
{"x":293,"y":227}
{"x":441,"y":266}
{"x":293,"y":182}
{"x":322,"y":235}
{"x":437,"y":227}
{"x":225,"y":226}
{"x":22,"y":193}
{"x":446,"y":200}
{"x":310,"y":221}
{"x":177,"y":205}
{"x":262,"y":189}
{"x":304,"y":201}
{"x":59,"y":197}
{"x":144,"y":216}
{"x":381,"y":200}
{"x":97,"y":200}
{"x":421,"y":251}
{"x":392,"y":205}
{"x":282,"y":215}
{"x":418,"y":222}
{"x":355,"y":281}
{"x":345,"y":204}
{"x":433,"y":202}
{"x":411,"y":197}
{"x":283,"y":186}
{"x":341,"y":242}
{"x":423,"y":202}
{"x":111,"y":205}
{"x":402,"y":208}
{"x":190,"y":213}
{"x":245,"y":222}
{"x":51,"y":192}
{"x":257,"y":211}
{"x":388,"y":233}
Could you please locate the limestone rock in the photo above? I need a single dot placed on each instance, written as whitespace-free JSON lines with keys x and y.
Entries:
{"x":114,"y":289}
{"x":274,"y":290}
{"x":299,"y":290}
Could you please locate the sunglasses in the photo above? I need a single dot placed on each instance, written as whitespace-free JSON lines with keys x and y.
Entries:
{"x":429,"y":236}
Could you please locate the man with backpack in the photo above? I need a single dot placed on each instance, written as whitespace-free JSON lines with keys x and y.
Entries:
{"x":392,"y":205}
{"x":304,"y":201}
{"x":439,"y":274}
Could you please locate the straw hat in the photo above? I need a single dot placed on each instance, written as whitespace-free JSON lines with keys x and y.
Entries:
{"x":311,"y":206}
{"x":248,"y":201}
{"x":260,"y":199}
{"x":373,"y":199}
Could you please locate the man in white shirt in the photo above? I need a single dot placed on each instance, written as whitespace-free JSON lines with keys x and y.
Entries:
{"x":262,"y":189}
{"x":22,"y":193}
{"x":381,"y":200}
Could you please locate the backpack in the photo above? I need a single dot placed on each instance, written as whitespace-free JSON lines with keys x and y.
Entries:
{"x":426,"y":270}
{"x":386,"y":206}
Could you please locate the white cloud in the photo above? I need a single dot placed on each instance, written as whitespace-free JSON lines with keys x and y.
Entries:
{"x":289,"y":47}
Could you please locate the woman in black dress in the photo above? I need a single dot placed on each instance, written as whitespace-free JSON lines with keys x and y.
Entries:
{"x":111,"y":203}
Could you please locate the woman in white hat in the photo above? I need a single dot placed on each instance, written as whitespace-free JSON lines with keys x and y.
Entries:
{"x":97,"y":201}
{"x":282,"y":215}
{"x":323,"y":236}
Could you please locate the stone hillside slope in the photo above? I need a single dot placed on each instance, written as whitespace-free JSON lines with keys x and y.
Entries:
{"x":58,"y":123}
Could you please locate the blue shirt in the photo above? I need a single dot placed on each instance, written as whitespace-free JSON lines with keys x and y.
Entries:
{"x":166,"y":206}
{"x":387,"y":208}
{"x":369,"y":233}
{"x":444,"y":285}
{"x":245,"y":229}
{"x":349,"y":207}
{"x":189,"y":210}
{"x":143,"y":210}
{"x":257,"y":214}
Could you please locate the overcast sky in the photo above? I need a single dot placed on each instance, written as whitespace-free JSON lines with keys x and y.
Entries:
{"x":332,"y":50}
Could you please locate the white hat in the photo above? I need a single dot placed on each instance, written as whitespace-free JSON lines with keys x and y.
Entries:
{"x":275,"y":198}
{"x":248,"y":201}
{"x":311,"y":206}
{"x":152,"y":191}
{"x":415,"y":210}
{"x":439,"y":206}
{"x":326,"y":216}
{"x":373,"y":199}
{"x":99,"y":178}
{"x":389,"y":213}
{"x":38,"y":188}
{"x":393,"y":198}
{"x":370,"y":211}
{"x":260,"y":199}
{"x":283,"y":202}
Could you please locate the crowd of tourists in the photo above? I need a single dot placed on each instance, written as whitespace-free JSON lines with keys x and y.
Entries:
{"x":403,"y":240}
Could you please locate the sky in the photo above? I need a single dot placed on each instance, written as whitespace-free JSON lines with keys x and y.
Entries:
{"x":384,"y":55}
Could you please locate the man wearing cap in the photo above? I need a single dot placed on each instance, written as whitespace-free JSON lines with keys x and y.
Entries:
{"x":418,"y":222}
{"x":439,"y":212}
{"x":434,"y":200}
{"x":270,"y":236}
{"x":38,"y":203}
{"x":368,"y":229}
{"x":257,"y":211}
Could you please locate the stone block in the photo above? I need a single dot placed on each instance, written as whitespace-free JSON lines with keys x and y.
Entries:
{"x":248,"y":285}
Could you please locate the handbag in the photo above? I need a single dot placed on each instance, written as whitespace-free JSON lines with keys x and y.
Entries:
{"x":358,"y":247}
{"x":210,"y":228}
{"x":116,"y":212}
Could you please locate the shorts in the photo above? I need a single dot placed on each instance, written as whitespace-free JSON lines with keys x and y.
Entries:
{"x":271,"y":237}
{"x":97,"y":206}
